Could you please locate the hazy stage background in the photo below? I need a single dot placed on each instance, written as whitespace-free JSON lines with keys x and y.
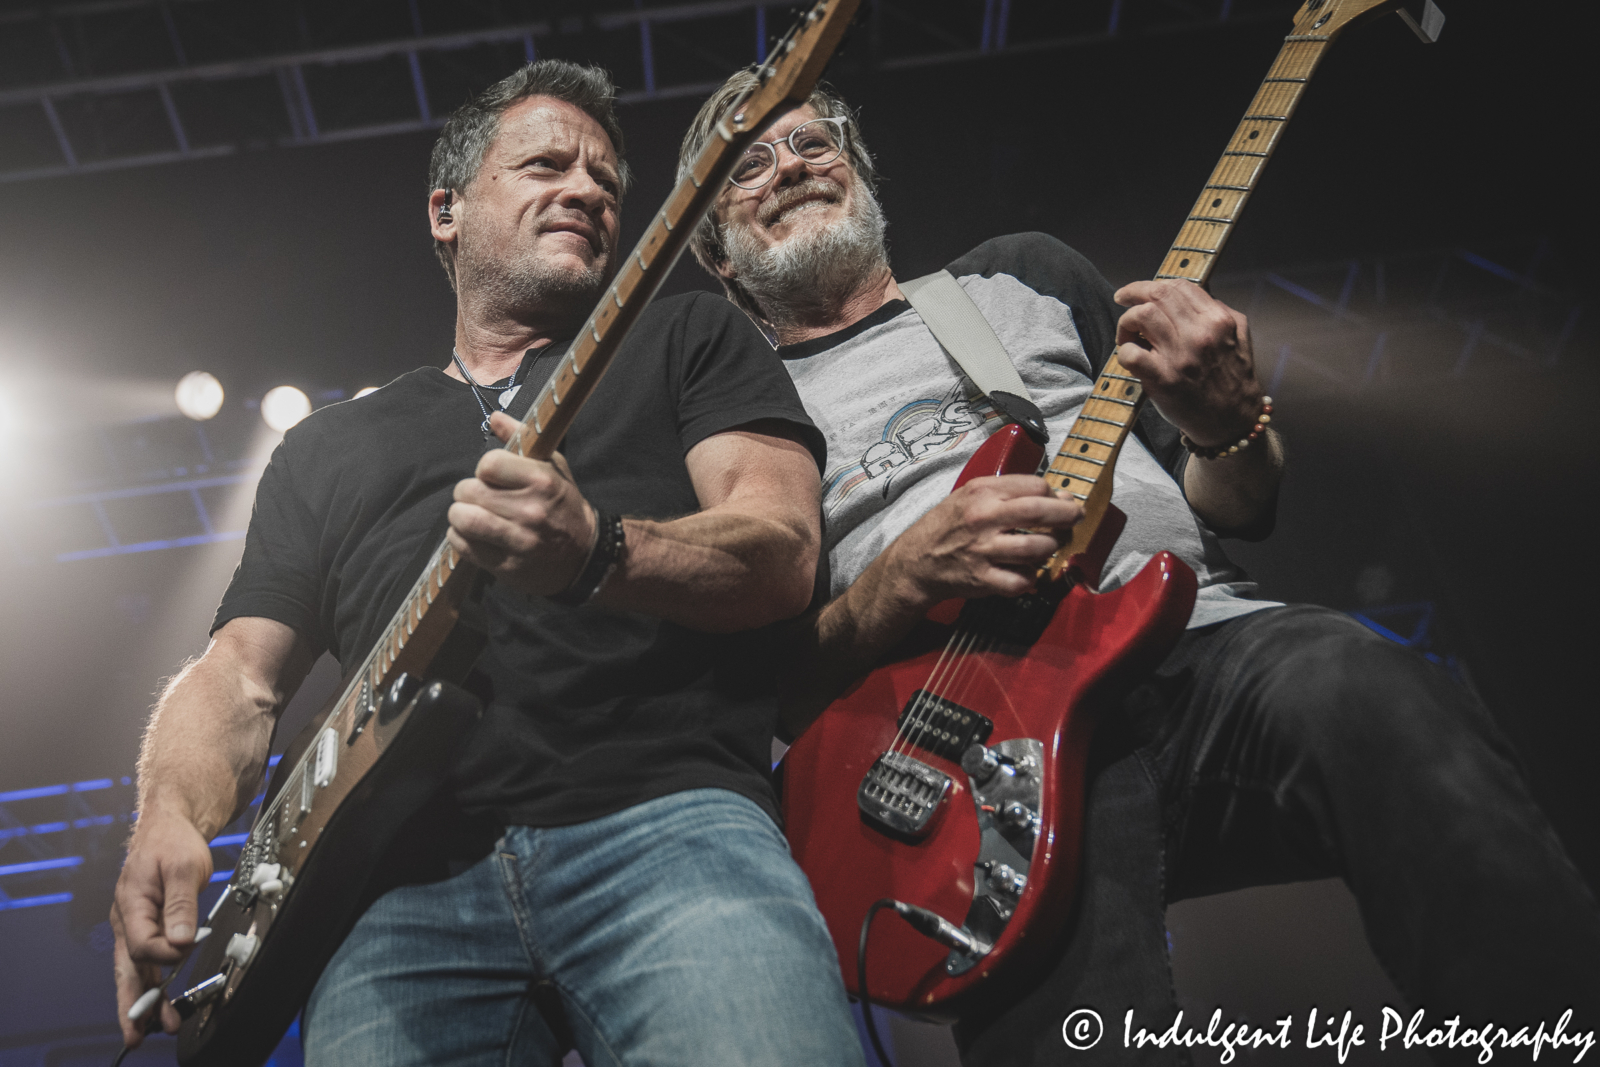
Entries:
{"x":1449,"y":464}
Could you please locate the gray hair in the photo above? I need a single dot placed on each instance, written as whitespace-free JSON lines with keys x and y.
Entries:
{"x":707,"y":243}
{"x":472,"y":128}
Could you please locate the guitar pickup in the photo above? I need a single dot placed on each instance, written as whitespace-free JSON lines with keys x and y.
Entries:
{"x":941,"y":726}
{"x":366,"y":707}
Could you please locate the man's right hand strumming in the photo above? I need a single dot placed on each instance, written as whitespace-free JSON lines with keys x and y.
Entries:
{"x":984,"y":539}
{"x":204,"y":755}
{"x":156,"y":911}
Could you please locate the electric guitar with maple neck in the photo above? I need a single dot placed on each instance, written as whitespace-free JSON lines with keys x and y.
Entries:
{"x":383,"y":745}
{"x":948,"y":785}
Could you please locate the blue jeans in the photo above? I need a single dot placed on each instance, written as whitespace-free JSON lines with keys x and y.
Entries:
{"x":678,"y":931}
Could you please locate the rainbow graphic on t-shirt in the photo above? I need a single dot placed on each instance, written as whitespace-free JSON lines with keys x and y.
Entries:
{"x":919,"y":429}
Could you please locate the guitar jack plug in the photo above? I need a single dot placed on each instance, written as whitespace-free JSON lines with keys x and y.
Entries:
{"x":932,"y":925}
{"x":927,"y":923}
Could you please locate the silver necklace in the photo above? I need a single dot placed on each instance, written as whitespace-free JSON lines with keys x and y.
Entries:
{"x":496,"y":389}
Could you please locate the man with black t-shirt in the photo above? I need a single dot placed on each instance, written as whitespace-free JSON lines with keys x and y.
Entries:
{"x":609,"y":834}
{"x":1275,"y":743}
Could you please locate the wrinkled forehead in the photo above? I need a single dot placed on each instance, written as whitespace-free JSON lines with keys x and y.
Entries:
{"x":543,"y":122}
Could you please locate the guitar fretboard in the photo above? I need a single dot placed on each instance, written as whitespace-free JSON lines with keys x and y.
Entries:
{"x":1086,"y":458}
{"x":419,"y":629}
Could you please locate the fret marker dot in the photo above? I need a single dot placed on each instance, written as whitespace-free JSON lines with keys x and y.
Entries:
{"x":1083,"y":448}
{"x":1217,"y":202}
{"x":1128,"y":391}
{"x":1103,"y":386}
{"x":1254,"y":134}
{"x":1183,"y":263}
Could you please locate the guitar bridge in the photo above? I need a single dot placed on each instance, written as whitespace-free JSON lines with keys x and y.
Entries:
{"x":901,"y":794}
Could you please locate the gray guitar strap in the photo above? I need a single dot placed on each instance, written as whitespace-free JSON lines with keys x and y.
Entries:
{"x":966,"y":337}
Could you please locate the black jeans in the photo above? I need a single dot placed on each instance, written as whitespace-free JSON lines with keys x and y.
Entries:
{"x":1290,"y":744}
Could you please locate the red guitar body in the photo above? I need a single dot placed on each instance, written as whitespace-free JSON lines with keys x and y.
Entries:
{"x":1042,"y":695}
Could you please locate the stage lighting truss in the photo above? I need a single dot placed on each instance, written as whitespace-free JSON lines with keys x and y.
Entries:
{"x":106,"y":84}
{"x":64,"y":842}
{"x":1380,"y":322}
{"x":1346,"y":327}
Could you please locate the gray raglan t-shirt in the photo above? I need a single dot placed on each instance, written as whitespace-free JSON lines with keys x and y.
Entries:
{"x":902,"y":420}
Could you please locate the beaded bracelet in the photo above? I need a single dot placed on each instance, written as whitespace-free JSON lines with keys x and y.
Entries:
{"x":609,"y":543}
{"x":1224,"y":451}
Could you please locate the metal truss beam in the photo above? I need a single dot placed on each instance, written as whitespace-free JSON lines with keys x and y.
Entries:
{"x":83,"y":8}
{"x":49,"y":833}
{"x":902,"y":36}
{"x":1418,"y":317}
{"x":1333,"y":327}
{"x":189,"y":488}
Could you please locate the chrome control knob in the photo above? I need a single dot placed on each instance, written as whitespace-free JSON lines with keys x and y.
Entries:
{"x":1004,"y":879}
{"x":1019,"y":816}
{"x":980,"y":762}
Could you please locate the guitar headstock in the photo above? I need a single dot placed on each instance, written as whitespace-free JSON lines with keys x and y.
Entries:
{"x":795,"y":63}
{"x":1325,"y":18}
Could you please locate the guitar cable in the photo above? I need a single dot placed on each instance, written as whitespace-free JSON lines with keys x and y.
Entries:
{"x":148,"y":1006}
{"x":861,"y":977}
{"x":927,"y":923}
{"x":151,"y":1025}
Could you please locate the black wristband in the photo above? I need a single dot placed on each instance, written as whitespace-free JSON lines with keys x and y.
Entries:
{"x":609,"y":543}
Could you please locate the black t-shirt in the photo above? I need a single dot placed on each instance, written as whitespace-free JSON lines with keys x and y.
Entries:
{"x":588,"y":711}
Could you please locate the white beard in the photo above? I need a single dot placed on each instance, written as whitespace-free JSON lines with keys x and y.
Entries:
{"x":811,"y":273}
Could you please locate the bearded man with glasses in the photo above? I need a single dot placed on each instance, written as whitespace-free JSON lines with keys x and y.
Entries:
{"x":1275,"y":743}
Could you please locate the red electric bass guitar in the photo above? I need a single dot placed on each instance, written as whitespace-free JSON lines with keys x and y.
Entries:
{"x":951,"y":779}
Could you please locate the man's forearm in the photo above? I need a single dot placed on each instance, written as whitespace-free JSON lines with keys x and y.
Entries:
{"x":720,"y":570}
{"x":1232,"y":493}
{"x":840,"y":642}
{"x":206,"y":746}
{"x":984,"y":539}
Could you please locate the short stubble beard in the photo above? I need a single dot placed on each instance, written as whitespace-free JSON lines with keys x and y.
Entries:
{"x":808,"y":276}
{"x":527,"y":286}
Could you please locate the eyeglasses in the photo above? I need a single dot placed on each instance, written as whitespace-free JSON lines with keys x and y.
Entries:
{"x":818,"y":142}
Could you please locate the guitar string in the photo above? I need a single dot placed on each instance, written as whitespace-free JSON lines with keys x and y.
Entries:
{"x":915,"y":720}
{"x":271,"y":811}
{"x":1272,"y":100}
{"x":961,"y":696}
{"x":915,"y":714}
{"x":954,"y":648}
{"x":957,"y":687}
{"x":901,"y":731}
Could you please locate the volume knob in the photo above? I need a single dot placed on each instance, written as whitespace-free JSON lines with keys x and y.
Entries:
{"x":1019,"y":816}
{"x":980,"y":762}
{"x":1004,"y":879}
{"x":241,"y":948}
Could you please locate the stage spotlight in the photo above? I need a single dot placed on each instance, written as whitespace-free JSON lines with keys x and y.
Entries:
{"x":199,"y":395}
{"x":363,"y":392}
{"x":284,"y":406}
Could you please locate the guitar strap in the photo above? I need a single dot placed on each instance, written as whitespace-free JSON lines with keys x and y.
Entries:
{"x":966,"y":337}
